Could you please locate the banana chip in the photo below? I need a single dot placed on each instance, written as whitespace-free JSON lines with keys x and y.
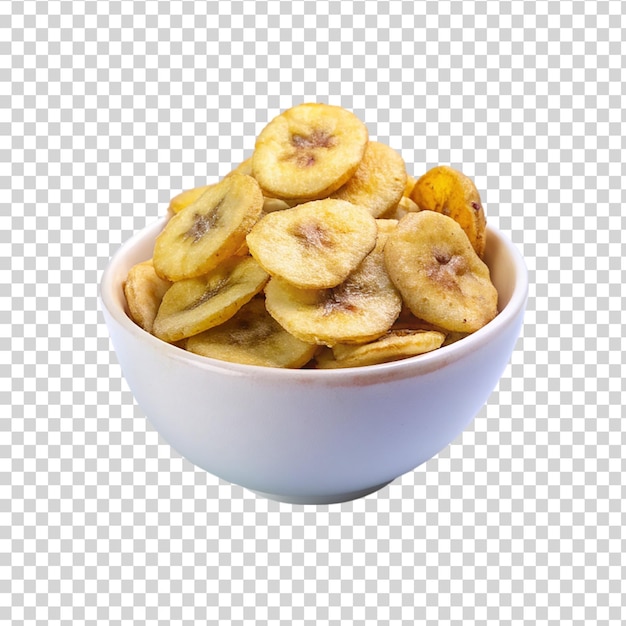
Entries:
{"x":308,"y":151}
{"x":211,"y":229}
{"x":315,"y":245}
{"x":252,"y":337}
{"x":379,"y":181}
{"x":441,"y":278}
{"x":194,"y":305}
{"x":395,"y":345}
{"x":144,"y":290}
{"x":360,"y":309}
{"x":448,"y":191}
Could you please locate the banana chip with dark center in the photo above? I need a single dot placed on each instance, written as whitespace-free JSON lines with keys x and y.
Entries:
{"x":441,"y":278}
{"x":315,"y":245}
{"x":308,"y":151}
{"x":208,"y":231}
{"x":360,"y":309}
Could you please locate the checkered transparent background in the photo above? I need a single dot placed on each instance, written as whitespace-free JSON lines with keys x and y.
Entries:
{"x":107,"y":109}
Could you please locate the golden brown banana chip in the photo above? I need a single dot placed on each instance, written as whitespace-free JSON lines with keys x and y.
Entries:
{"x":308,"y":151}
{"x":211,"y":229}
{"x":393,"y":346}
{"x":441,"y":278}
{"x":185,"y":198}
{"x":360,"y":309}
{"x":194,"y":305}
{"x":448,"y":191}
{"x":252,"y":337}
{"x":379,"y":181}
{"x":315,"y":245}
{"x":144,"y":289}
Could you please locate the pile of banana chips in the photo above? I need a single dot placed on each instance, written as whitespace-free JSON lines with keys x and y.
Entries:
{"x":318,"y":251}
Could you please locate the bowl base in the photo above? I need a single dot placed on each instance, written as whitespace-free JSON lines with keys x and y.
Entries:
{"x":334,"y":498}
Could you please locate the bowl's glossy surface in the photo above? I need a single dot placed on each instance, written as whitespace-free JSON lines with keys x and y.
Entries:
{"x":313,"y":436}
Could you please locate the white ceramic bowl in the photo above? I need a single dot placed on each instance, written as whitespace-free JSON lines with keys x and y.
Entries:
{"x":313,"y":436}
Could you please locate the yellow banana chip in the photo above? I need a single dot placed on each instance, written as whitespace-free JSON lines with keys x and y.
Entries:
{"x":395,"y":345}
{"x":194,"y":305}
{"x":308,"y":151}
{"x":441,"y":278}
{"x":253,"y":337}
{"x":360,"y":309}
{"x":379,"y":181}
{"x":144,"y":290}
{"x":448,"y":191}
{"x":211,"y":229}
{"x":315,"y":245}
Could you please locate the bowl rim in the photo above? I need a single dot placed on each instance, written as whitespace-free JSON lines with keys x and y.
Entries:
{"x":400,"y":369}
